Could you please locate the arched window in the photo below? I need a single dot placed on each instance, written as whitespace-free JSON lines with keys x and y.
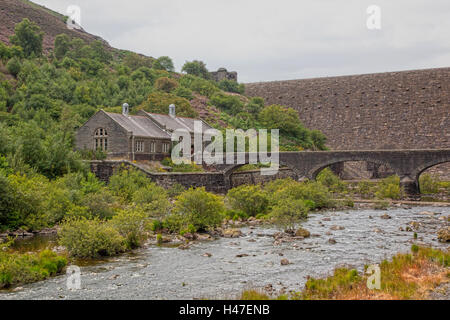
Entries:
{"x":101,"y":139}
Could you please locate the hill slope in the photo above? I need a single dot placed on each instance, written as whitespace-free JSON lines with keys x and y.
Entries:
{"x":50,"y":22}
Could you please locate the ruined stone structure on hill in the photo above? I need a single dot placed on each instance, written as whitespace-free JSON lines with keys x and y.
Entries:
{"x":223,"y":74}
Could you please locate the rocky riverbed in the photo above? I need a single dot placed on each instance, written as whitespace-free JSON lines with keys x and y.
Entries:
{"x":259,"y":258}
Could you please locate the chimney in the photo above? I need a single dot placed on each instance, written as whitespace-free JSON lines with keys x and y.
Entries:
{"x":125,"y":109}
{"x":172,"y":110}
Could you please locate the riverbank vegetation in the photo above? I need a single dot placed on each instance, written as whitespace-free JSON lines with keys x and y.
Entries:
{"x":18,"y":268}
{"x":406,"y":276}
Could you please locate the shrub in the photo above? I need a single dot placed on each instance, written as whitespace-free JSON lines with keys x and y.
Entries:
{"x":14,"y":66}
{"x":317,"y":194}
{"x":175,"y":190}
{"x":390,"y":188}
{"x":326,"y":288}
{"x":196,"y":68}
{"x":28,"y":35}
{"x":126,"y":182}
{"x":183,"y":92}
{"x":90,"y":238}
{"x":182,"y":167}
{"x":287,"y":214}
{"x":364,"y":188}
{"x":248,"y":198}
{"x":230,"y":104}
{"x":16,"y":268}
{"x":198,"y":208}
{"x":163,"y":63}
{"x":330,"y":180}
{"x":132,"y":225}
{"x":159,"y":102}
{"x":152,"y":199}
{"x":166,"y":84}
{"x":231,"y":86}
{"x":255,"y":105}
{"x":428,"y":184}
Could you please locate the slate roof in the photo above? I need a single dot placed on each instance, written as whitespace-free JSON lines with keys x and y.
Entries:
{"x":140,"y":126}
{"x":173,"y":123}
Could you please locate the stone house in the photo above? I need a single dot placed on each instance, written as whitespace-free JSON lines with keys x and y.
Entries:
{"x":144,"y":136}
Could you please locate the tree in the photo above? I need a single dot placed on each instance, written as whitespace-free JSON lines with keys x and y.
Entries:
{"x":196,"y":68}
{"x":164,"y":63}
{"x":166,"y":84}
{"x":229,"y":104}
{"x":5,"y":52}
{"x":29,"y":36}
{"x":231,"y":86}
{"x":13,"y":66}
{"x":159,"y":102}
{"x":62,"y":45}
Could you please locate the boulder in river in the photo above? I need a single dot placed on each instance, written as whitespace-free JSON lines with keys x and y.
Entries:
{"x":284,"y":262}
{"x":332,"y":241}
{"x":337,"y":228}
{"x":232,"y":233}
{"x":444,"y":234}
{"x":385,"y":216}
{"x":302,"y":232}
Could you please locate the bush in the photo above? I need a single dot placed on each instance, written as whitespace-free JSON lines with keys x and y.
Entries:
{"x":182,"y":167}
{"x":248,"y":198}
{"x":166,"y":84}
{"x":330,"y":180}
{"x":287,"y":214}
{"x":285,"y":190}
{"x":163,"y":63}
{"x":231,"y":86}
{"x":14,"y":66}
{"x":152,"y":199}
{"x":175,"y":190}
{"x":229,"y":104}
{"x":16,"y":268}
{"x":90,"y":238}
{"x":196,"y":68}
{"x":28,"y":35}
{"x":390,"y":188}
{"x":198,"y":208}
{"x":158,"y":102}
{"x":183,"y":92}
{"x":364,"y":188}
{"x":126,"y":182}
{"x":428,"y":184}
{"x":132,"y":225}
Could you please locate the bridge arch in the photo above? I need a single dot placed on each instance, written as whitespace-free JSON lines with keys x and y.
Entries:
{"x":315,"y":170}
{"x":420,"y":170}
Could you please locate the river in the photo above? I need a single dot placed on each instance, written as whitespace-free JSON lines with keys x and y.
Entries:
{"x":165,"y":272}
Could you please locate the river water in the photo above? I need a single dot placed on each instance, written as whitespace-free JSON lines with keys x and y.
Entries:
{"x":154,"y":272}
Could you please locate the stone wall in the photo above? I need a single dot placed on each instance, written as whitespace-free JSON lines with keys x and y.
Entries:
{"x":255,"y":177}
{"x":212,"y":181}
{"x":395,"y":110}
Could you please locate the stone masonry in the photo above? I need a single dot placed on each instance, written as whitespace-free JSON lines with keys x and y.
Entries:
{"x":394,"y":110}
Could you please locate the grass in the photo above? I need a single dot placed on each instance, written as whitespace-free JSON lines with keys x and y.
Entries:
{"x":407,"y":276}
{"x":19,"y":268}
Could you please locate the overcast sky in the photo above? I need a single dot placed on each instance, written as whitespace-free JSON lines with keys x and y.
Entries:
{"x":275,"y":40}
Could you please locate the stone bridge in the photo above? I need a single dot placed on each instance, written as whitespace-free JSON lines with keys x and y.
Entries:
{"x":407,"y":164}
